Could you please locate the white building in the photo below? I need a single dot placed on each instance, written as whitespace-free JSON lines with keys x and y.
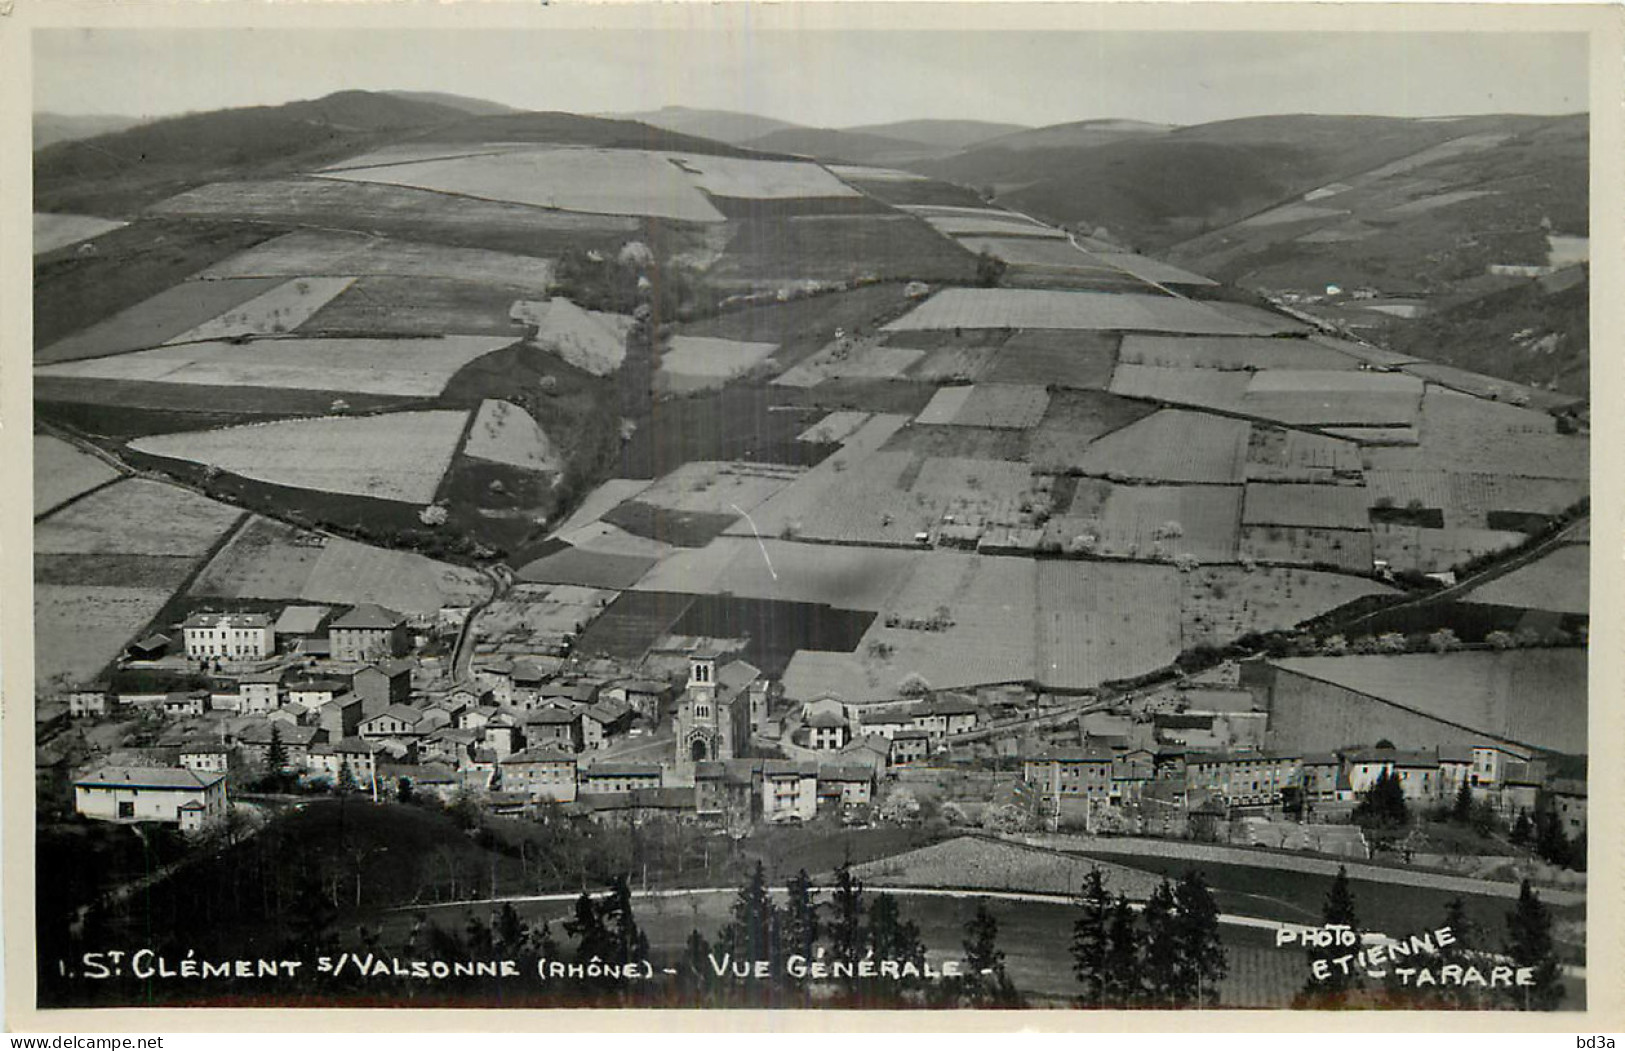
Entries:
{"x":174,"y":795}
{"x":234,"y":636}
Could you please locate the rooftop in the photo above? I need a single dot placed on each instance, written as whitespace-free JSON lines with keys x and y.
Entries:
{"x":227,"y":620}
{"x":167,"y":777}
{"x":300,"y":620}
{"x":369,"y":616}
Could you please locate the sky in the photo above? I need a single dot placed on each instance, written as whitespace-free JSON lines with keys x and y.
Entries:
{"x":827,"y":78}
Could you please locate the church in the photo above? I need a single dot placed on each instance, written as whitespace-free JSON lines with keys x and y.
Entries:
{"x":718,"y":708}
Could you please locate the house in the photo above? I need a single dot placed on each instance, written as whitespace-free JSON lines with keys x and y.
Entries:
{"x":846,"y":785}
{"x":1071,"y":773}
{"x":502,"y":734}
{"x":381,"y":685}
{"x":479,"y":770}
{"x":827,"y":731}
{"x":636,"y":807}
{"x":558,"y":727}
{"x":151,"y":648}
{"x":316,"y":693}
{"x":728,"y":790}
{"x":447,"y":744}
{"x":1455,"y":770}
{"x":1324,"y":779}
{"x":435,"y":780}
{"x":398,"y":720}
{"x":1132,"y":770}
{"x":1418,"y":772}
{"x":526,"y":682}
{"x":1565,"y":798}
{"x":368,"y":632}
{"x":174,"y":795}
{"x":88,"y":701}
{"x":541,"y":774}
{"x":646,"y":697}
{"x":602,"y":722}
{"x":187,"y":704}
{"x":293,"y":714}
{"x":340,"y":717}
{"x":496,"y":678}
{"x":1239,"y":779}
{"x":259,"y":692}
{"x":789,"y":790}
{"x":255,"y":742}
{"x":600,"y":778}
{"x":886,"y":724}
{"x":204,"y":758}
{"x":909,"y":746}
{"x":327,"y":762}
{"x":233,"y":636}
{"x":944,"y":716}
{"x":296,"y":625}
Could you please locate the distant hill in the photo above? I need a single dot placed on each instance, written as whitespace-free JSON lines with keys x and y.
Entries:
{"x":51,"y":128}
{"x":1075,"y":133}
{"x":478,"y":107}
{"x":945,"y":135}
{"x":829,"y":144}
{"x":720,"y":125}
{"x":576,"y":130}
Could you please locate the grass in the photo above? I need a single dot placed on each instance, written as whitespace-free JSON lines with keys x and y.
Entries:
{"x":836,"y":248}
{"x":632,"y":623}
{"x":774,"y":630}
{"x":682,"y":528}
{"x":165,"y":316}
{"x":1056,"y":359}
{"x":416,"y":306}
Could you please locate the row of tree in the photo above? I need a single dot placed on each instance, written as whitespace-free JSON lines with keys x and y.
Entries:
{"x":1167,"y":955}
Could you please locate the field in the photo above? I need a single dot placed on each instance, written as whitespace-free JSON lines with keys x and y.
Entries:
{"x":988,"y":224}
{"x":1099,"y":622}
{"x":1235,"y":353}
{"x":1171,"y":446}
{"x":1463,"y":433}
{"x":849,"y":577}
{"x":317,"y":253}
{"x":270,"y":560}
{"x":747,"y":177}
{"x":1435,"y":550}
{"x":1349,"y":549}
{"x":78,"y":629}
{"x":1276,"y":454}
{"x":1162,"y":521}
{"x":505,"y":433}
{"x":1468,"y":500}
{"x":612,"y":182}
{"x":406,"y":213}
{"x":1334,"y":397}
{"x":529,"y":611}
{"x":1076,"y":418}
{"x":590,"y":340}
{"x":1031,"y":251}
{"x":1203,"y":388}
{"x":1054,"y":359}
{"x":604,"y":537}
{"x":978,"y":864}
{"x":135,"y":517}
{"x":632,"y":623}
{"x":803,"y":497}
{"x":1534,"y":696}
{"x":976,"y":443}
{"x":404,"y":367}
{"x":864,"y":358}
{"x":591,"y":569}
{"x":697,"y":362}
{"x":772,"y":631}
{"x":1003,"y":405}
{"x":773,"y":252}
{"x":396,"y":456}
{"x":416,"y":306}
{"x":273,"y":312}
{"x":1317,"y":506}
{"x":944,"y":405}
{"x":836,"y":427}
{"x":53,"y":231}
{"x":62,"y":472}
{"x":1223,"y":603}
{"x":410,"y":152}
{"x":605,"y":496}
{"x":1559,"y":581}
{"x":718,"y":488}
{"x":157,"y":320}
{"x":1148,"y":269}
{"x":1036,"y":308}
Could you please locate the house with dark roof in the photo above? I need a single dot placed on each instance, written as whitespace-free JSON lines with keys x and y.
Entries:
{"x":173,"y":795}
{"x":728,"y":790}
{"x":1071,"y":773}
{"x":327,"y":761}
{"x":151,"y":648}
{"x":558,"y":727}
{"x":255,"y":742}
{"x":368,"y":632}
{"x":398,"y":720}
{"x":1243,"y":778}
{"x":204,"y":757}
{"x":637,"y":806}
{"x":382,"y":684}
{"x":541,"y":774}
{"x":602,"y":722}
{"x":909,"y":746}
{"x":230,"y":636}
{"x":600,"y":778}
{"x":846,"y":785}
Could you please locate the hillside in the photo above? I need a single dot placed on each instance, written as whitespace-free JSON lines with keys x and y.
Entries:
{"x":944,"y":135}
{"x":856,"y":147}
{"x":118,"y":173}
{"x":477,"y":107}
{"x":1076,"y":133}
{"x":721,"y":125}
{"x":52,"y":128}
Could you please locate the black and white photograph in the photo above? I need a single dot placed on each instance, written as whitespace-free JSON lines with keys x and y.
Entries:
{"x":741,"y":509}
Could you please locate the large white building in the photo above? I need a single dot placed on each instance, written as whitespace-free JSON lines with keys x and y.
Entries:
{"x":175,"y":795}
{"x":235,"y":636}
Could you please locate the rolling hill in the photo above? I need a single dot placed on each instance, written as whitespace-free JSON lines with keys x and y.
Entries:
{"x":856,"y":147}
{"x":477,"y":107}
{"x":52,"y":128}
{"x":945,"y":135}
{"x":720,"y":125}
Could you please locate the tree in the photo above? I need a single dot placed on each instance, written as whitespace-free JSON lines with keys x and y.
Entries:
{"x":1501,"y":640}
{"x":276,"y":754}
{"x":1334,"y":646}
{"x":846,"y":933}
{"x":989,"y":270}
{"x":1203,"y":960}
{"x":1337,"y":911}
{"x":1462,"y":809}
{"x":1529,"y":944}
{"x":1122,"y":957}
{"x":1091,"y":940}
{"x":754,"y":930}
{"x":1550,"y":842}
{"x":1461,"y":952}
{"x":893,"y":938}
{"x":1159,"y":963}
{"x":985,"y":983}
{"x":1444,"y":641}
{"x":1522,"y":829}
{"x":346,"y":777}
{"x":801,"y":926}
{"x":1383,"y":804}
{"x":404,"y":791}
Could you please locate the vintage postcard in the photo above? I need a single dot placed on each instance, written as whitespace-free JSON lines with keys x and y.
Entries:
{"x":968,"y":509}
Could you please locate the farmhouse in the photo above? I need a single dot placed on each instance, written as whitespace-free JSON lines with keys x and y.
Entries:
{"x":846,"y":785}
{"x":172,"y":795}
{"x":368,"y":632}
{"x":255,"y":742}
{"x":258,"y":693}
{"x":541,"y":774}
{"x":204,"y":758}
{"x":557,"y":727}
{"x":186,"y":704}
{"x":729,"y":790}
{"x":151,"y":648}
{"x":789,"y":790}
{"x":237,"y":636}
{"x":398,"y":720}
{"x":88,"y":700}
{"x":909,"y":746}
{"x":383,"y":684}
{"x":340,"y":717}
